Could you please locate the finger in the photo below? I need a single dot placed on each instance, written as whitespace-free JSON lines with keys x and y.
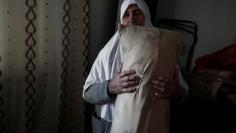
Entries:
{"x":160,"y":83}
{"x":132,"y":77}
{"x":129,"y":84}
{"x":125,"y":79}
{"x":159,"y":95}
{"x":155,"y":82}
{"x":128,"y":90}
{"x":159,"y":89}
{"x":127,"y":72}
{"x":162,"y":79}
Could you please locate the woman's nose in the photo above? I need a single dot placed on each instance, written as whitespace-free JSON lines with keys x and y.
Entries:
{"x":131,"y":18}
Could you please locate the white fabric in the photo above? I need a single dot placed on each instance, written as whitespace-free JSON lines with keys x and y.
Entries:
{"x":109,"y":59}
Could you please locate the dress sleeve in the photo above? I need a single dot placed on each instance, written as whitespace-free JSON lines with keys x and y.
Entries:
{"x":98,"y":93}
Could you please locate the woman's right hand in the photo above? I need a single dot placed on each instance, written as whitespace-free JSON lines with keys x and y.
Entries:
{"x":123,"y":82}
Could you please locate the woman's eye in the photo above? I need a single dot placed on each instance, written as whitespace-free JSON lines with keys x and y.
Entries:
{"x":126,"y":15}
{"x":137,"y":13}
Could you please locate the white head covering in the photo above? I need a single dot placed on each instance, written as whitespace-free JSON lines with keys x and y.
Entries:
{"x":109,"y":58}
{"x":142,"y":5}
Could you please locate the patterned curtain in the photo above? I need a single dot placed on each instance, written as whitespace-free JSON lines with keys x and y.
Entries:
{"x":43,"y":65}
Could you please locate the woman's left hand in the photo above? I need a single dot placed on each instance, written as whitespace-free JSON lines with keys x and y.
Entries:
{"x":167,"y":88}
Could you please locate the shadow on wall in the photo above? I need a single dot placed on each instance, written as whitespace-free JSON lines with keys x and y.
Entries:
{"x":101,"y":25}
{"x":152,"y":5}
{"x":162,"y":9}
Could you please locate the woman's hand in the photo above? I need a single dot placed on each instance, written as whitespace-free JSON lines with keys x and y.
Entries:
{"x":166,"y":88}
{"x":123,"y":82}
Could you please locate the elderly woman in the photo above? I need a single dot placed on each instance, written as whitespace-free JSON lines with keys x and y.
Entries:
{"x":106,"y":80}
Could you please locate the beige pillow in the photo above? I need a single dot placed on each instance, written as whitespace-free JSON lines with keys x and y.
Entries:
{"x":152,"y":52}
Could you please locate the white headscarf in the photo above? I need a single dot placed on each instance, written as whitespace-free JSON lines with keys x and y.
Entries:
{"x":142,"y":5}
{"x":109,"y":58}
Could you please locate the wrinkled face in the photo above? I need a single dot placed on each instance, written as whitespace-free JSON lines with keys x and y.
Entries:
{"x":133,"y":16}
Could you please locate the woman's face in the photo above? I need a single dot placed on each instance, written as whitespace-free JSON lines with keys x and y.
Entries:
{"x":133,"y":16}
